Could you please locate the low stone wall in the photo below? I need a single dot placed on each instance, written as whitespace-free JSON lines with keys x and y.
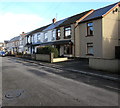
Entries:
{"x":33,"y":56}
{"x":111,"y":65}
{"x":43,"y":57}
{"x":19,"y":56}
{"x":27,"y":56}
{"x":49,"y":58}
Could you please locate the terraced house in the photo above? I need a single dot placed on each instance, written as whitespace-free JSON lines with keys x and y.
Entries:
{"x":22,"y":42}
{"x":33,"y":39}
{"x":99,"y":33}
{"x":99,"y":38}
{"x":13,"y":45}
{"x":59,"y":34}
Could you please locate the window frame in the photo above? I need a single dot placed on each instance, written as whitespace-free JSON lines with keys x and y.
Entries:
{"x":53,"y":35}
{"x":69,"y":46}
{"x":67,"y":36}
{"x":45,"y":37}
{"x":88,"y":29}
{"x":58,"y":37}
{"x":38,"y":37}
{"x":88,"y":45}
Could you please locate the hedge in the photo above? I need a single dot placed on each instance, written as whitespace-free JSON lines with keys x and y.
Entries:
{"x":47,"y":50}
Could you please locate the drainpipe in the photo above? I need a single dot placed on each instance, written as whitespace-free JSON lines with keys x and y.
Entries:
{"x":74,"y":41}
{"x":75,"y":38}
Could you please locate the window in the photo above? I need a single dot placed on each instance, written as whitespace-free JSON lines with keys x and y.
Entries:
{"x":67,"y":32}
{"x":68,"y":49}
{"x":45,"y":37}
{"x":90,"y":50}
{"x":38,"y":37}
{"x":90,"y":29}
{"x":58,"y":34}
{"x":29,"y":39}
{"x":53,"y":35}
{"x":33,"y":39}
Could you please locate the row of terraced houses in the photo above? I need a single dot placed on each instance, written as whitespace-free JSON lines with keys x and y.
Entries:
{"x":90,"y":34}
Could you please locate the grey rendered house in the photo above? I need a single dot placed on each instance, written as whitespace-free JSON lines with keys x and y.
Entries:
{"x":33,"y":39}
{"x":65,"y":37}
{"x":43,"y":36}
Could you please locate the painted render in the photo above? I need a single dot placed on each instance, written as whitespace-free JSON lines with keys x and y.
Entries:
{"x":105,"y":37}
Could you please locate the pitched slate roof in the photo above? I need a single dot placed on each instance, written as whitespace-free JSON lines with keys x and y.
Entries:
{"x":15,"y":39}
{"x":37,"y":30}
{"x":99,"y":12}
{"x":73,"y":19}
{"x":54,"y":25}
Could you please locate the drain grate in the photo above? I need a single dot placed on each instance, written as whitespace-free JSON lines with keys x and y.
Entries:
{"x":14,"y":94}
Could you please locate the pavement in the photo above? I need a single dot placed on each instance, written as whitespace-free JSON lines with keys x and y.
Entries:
{"x":77,"y":66}
{"x":32,"y":84}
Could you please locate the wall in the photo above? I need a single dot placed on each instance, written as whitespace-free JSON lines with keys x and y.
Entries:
{"x":110,"y":34}
{"x":62,"y":37}
{"x":43,"y":57}
{"x":41,"y":37}
{"x":83,"y":39}
{"x":77,"y":42}
{"x":72,"y":39}
{"x":111,"y":65}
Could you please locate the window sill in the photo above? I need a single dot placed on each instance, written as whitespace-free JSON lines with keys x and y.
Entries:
{"x":90,"y":54}
{"x":89,"y":35}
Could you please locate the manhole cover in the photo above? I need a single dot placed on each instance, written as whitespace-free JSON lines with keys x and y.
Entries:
{"x":14,"y":94}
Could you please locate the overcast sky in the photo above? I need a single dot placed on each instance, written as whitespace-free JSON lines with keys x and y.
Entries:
{"x":18,"y":17}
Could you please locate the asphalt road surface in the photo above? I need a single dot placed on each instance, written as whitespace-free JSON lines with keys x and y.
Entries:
{"x":27,"y":84}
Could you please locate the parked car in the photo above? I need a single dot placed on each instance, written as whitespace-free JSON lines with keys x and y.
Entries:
{"x":2,"y":53}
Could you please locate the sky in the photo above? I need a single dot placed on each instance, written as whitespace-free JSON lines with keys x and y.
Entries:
{"x":24,"y":16}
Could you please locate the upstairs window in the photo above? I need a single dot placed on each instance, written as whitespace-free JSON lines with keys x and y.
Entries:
{"x":45,"y":37}
{"x":38,"y":37}
{"x":90,"y":29}
{"x":67,"y":32}
{"x":53,"y":35}
{"x":90,"y":50}
{"x":33,"y":39}
{"x":29,"y":39}
{"x":58,"y":34}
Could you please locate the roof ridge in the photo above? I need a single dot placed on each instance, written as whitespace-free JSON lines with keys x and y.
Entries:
{"x":106,"y":6}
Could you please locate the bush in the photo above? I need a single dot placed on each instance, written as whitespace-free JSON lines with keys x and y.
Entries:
{"x":47,"y":50}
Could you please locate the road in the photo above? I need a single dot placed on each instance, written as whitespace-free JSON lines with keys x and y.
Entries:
{"x":27,"y":84}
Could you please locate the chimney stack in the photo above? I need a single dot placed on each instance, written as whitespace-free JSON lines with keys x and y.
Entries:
{"x":54,"y":20}
{"x":23,"y":32}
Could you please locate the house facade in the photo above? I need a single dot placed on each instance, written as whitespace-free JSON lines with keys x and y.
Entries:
{"x":33,"y":39}
{"x":22,"y":42}
{"x":99,"y":33}
{"x":43,"y":36}
{"x":65,"y":34}
{"x":6,"y":45}
{"x":90,"y":34}
{"x":13,"y":45}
